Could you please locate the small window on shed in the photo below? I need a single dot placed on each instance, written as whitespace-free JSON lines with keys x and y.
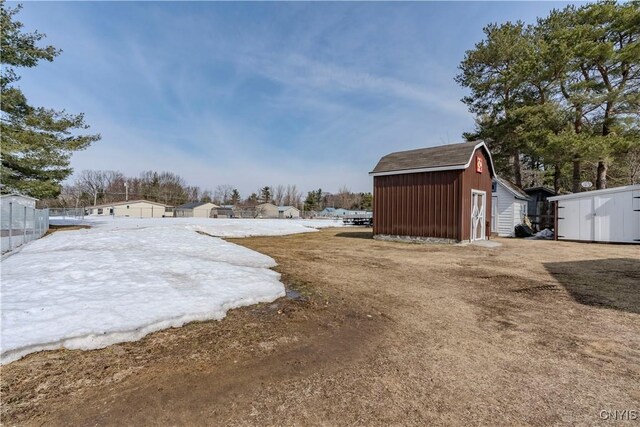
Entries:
{"x":127,"y":206}
{"x":100,"y":211}
{"x":494,"y":186}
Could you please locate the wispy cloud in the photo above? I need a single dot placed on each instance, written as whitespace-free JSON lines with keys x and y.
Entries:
{"x":256,"y":94}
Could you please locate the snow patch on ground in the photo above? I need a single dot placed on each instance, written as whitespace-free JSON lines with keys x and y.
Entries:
{"x":125,"y":278}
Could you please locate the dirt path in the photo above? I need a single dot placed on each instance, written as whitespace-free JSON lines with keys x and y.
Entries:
{"x":534,"y":332}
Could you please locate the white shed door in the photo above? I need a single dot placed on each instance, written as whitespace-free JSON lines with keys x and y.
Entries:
{"x":586,"y":218}
{"x":478,"y":215}
{"x":611,"y":217}
{"x":575,"y":219}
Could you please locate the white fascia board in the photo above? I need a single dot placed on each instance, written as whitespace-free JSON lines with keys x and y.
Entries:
{"x":478,"y":145}
{"x":510,"y":190}
{"x":595,"y":192}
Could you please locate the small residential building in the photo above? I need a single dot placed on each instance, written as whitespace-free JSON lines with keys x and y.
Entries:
{"x":328,"y":212}
{"x":288,"y":212}
{"x":223,"y":212}
{"x":132,"y":208}
{"x":434,"y":194}
{"x":509,"y":204}
{"x":269,"y":210}
{"x":196,"y":210}
{"x":609,"y":215}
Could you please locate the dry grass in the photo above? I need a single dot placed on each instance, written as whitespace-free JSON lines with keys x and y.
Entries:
{"x":534,"y":332}
{"x":55,"y":228}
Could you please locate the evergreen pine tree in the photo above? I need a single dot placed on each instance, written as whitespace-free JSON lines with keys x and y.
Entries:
{"x":36,"y":142}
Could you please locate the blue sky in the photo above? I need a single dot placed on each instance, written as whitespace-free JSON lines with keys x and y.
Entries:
{"x":255,"y":94}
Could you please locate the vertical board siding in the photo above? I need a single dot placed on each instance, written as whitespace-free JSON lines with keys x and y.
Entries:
{"x":430,"y":204}
{"x":418,"y":204}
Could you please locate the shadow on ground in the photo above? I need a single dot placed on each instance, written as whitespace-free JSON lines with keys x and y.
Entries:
{"x":609,"y":283}
{"x":356,"y":234}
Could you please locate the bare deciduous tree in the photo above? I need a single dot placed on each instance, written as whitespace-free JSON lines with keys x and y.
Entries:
{"x":278,"y":195}
{"x":292,"y":196}
{"x":97,"y":182}
{"x":222,"y":194}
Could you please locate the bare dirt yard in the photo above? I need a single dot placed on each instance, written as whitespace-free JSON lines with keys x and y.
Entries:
{"x":533,"y":332}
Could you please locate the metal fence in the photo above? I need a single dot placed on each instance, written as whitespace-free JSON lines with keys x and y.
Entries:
{"x":67,"y":212}
{"x":20,"y":224}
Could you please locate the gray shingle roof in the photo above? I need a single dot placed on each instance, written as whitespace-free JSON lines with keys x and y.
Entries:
{"x":514,"y":189}
{"x":451,"y":155}
{"x":190,"y":205}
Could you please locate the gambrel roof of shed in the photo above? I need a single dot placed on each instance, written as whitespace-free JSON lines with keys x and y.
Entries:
{"x":433,"y":159}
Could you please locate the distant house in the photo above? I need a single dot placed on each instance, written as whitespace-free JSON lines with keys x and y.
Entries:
{"x":195,"y":210}
{"x":133,"y":208}
{"x":18,"y":199}
{"x":223,"y":212}
{"x":288,"y":212}
{"x":269,"y":210}
{"x":327,"y":212}
{"x":509,"y":204}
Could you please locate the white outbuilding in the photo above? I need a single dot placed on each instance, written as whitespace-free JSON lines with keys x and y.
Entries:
{"x":509,"y":206}
{"x":133,"y":208}
{"x":269,"y":210}
{"x":288,"y":212}
{"x":609,"y":215}
{"x":196,"y":210}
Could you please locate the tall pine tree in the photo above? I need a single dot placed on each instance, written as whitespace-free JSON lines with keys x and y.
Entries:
{"x":36,"y":142}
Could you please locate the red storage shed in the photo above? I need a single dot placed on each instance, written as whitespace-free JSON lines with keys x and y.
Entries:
{"x":434,"y":194}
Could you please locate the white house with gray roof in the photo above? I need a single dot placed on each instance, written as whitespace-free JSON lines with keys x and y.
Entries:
{"x":196,"y":210}
{"x":269,"y":210}
{"x":132,"y":208}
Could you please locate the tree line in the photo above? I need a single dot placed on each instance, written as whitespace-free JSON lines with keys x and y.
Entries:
{"x":95,"y":187}
{"x":558,"y":101}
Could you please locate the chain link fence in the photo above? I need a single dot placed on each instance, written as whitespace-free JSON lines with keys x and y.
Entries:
{"x":20,"y":224}
{"x":67,"y":212}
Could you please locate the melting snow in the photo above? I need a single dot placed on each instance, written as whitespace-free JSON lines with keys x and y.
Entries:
{"x":125,"y":278}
